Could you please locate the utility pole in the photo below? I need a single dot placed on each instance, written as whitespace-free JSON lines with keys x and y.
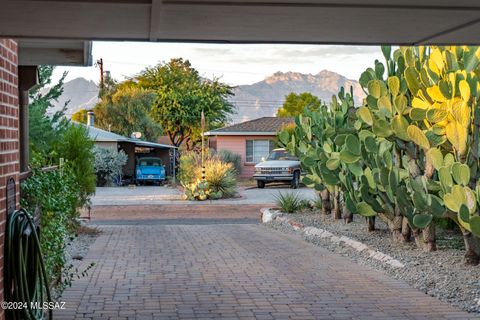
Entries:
{"x":100,"y":65}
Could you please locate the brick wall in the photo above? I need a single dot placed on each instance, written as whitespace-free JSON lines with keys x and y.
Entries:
{"x":9,"y":134}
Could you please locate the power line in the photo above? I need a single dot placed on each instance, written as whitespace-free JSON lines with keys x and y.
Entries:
{"x":209,"y":70}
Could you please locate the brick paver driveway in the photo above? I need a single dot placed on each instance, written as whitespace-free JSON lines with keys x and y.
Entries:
{"x":158,"y":271}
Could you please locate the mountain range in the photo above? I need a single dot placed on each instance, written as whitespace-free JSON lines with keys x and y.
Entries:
{"x":78,"y":93}
{"x":257,"y":100}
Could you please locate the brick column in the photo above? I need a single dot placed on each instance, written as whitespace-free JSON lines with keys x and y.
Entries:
{"x":9,"y":135}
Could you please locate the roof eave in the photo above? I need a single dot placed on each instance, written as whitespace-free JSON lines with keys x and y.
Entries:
{"x":240,"y":133}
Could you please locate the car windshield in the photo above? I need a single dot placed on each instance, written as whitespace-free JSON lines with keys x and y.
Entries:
{"x":150,"y":162}
{"x":281,"y":155}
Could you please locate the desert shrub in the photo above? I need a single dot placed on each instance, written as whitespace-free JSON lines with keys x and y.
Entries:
{"x":288,"y":202}
{"x":77,"y":150}
{"x":233,"y":158}
{"x":189,"y":161}
{"x":221,"y":177}
{"x":55,"y":194}
{"x":109,"y":164}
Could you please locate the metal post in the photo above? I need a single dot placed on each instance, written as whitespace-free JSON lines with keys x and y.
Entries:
{"x":24,"y":147}
{"x":174,"y":165}
{"x":203,"y":147}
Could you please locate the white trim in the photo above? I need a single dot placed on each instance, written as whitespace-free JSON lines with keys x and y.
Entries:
{"x":240,"y":133}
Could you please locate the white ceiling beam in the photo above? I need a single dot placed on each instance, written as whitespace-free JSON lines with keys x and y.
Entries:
{"x":154,"y":19}
{"x":305,"y":24}
{"x":277,"y":21}
{"x":446,"y":4}
{"x":74,"y":20}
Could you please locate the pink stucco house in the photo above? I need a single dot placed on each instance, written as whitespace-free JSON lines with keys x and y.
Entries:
{"x":252,"y":140}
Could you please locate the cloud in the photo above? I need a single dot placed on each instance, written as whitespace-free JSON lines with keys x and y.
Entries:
{"x":274,"y":54}
{"x":213,"y":51}
{"x":235,"y":63}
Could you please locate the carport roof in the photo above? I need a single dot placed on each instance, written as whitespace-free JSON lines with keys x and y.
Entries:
{"x":101,"y":135}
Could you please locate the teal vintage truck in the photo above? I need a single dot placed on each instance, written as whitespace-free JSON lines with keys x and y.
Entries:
{"x":149,"y":169}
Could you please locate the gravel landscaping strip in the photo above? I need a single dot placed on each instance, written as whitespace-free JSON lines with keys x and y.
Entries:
{"x":441,"y":274}
{"x":78,"y":248}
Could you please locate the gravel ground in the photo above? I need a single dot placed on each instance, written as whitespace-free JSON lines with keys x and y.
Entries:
{"x":441,"y":274}
{"x":78,"y":248}
{"x":76,"y":251}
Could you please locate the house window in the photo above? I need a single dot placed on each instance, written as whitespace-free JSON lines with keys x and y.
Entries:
{"x":258,"y":149}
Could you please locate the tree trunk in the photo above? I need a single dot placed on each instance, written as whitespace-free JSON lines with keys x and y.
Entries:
{"x":336,"y":213}
{"x":371,"y":223}
{"x":426,"y":239}
{"x":417,"y":235}
{"x":406,"y":230}
{"x":472,"y":243}
{"x":429,"y":238}
{"x":347,"y":215}
{"x":472,"y":248}
{"x":396,"y":227}
{"x":325,"y":196}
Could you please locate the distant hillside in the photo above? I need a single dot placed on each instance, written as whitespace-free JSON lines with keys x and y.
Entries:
{"x":252,"y":101}
{"x":265,"y":97}
{"x":82,"y":94}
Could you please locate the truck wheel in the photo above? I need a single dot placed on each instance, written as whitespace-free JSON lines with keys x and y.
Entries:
{"x":296,"y":180}
{"x":260,"y":184}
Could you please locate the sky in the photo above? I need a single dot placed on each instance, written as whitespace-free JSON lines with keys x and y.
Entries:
{"x":234,"y":64}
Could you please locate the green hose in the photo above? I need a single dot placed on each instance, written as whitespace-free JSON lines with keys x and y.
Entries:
{"x":26,"y":285}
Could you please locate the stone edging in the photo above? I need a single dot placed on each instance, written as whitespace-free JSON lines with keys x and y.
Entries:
{"x":269,"y":215}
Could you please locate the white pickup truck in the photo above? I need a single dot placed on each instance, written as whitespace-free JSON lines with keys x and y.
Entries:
{"x":279,"y":166}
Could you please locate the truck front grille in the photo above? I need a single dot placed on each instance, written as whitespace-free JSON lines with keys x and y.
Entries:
{"x":272,"y":171}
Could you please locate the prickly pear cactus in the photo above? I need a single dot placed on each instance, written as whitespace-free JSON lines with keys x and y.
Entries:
{"x":198,"y":190}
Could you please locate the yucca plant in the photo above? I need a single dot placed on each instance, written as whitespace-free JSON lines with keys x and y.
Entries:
{"x":221,"y":177}
{"x":289,"y":202}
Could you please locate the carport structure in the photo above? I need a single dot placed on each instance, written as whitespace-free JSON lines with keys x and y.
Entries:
{"x":58,"y":32}
{"x":135,"y":149}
